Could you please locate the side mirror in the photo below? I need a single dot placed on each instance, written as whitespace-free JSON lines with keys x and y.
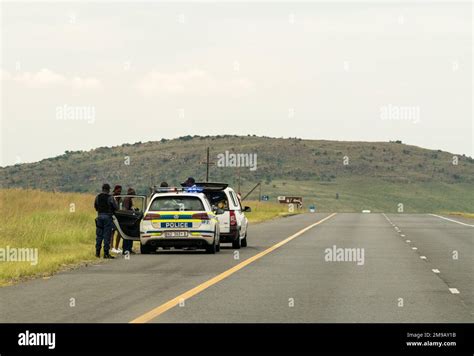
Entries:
{"x":247,"y":209}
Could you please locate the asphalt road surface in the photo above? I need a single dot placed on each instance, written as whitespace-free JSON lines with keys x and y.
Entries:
{"x":394,"y":268}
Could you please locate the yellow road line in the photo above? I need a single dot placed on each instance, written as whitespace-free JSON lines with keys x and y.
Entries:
{"x":198,"y":289}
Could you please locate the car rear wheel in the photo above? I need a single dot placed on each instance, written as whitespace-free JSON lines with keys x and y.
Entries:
{"x":244,"y":241}
{"x":145,"y":249}
{"x":236,"y":243}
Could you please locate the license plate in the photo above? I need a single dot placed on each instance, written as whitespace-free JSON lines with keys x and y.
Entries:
{"x":176,"y":234}
{"x":176,"y":225}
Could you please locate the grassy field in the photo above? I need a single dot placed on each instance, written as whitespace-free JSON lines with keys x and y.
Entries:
{"x":43,"y":220}
{"x":356,"y":194}
{"x":61,"y":226}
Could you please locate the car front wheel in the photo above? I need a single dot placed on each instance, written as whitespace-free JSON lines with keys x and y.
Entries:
{"x":212,"y":249}
{"x":145,"y":249}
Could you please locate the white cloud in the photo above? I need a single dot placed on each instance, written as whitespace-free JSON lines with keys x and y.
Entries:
{"x":195,"y":81}
{"x":156,"y":83}
{"x":242,"y":84}
{"x":4,"y":75}
{"x":46,"y":78}
{"x":85,"y":83}
{"x":43,"y":79}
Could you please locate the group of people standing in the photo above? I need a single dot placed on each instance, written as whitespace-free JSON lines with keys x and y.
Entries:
{"x":106,"y":204}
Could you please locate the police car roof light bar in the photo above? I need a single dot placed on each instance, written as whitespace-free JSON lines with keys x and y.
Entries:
{"x":177,"y":189}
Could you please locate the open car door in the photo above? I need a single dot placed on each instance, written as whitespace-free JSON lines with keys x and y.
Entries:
{"x":129,"y":215}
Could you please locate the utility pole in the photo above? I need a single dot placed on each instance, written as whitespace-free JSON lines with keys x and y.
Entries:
{"x":238,"y":184}
{"x":207,"y":163}
{"x":207,"y":166}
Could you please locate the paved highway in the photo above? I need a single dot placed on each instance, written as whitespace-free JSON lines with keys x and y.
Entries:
{"x":305,"y":268}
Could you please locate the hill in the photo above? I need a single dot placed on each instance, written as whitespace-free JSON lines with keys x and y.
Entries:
{"x":372,"y":175}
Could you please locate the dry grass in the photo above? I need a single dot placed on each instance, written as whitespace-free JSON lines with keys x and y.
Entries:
{"x":262,"y":211}
{"x":46,"y":221}
{"x":464,"y":215}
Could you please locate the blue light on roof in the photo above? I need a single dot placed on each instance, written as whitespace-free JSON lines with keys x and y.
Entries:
{"x":194,"y":189}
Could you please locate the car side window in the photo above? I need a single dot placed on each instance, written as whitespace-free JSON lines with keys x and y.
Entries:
{"x":239,"y":203}
{"x":234,"y":199}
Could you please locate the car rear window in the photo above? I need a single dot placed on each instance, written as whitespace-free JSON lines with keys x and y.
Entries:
{"x":218,"y":199}
{"x":177,"y":203}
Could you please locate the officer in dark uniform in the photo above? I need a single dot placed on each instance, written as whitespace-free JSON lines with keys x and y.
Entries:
{"x":105,"y":205}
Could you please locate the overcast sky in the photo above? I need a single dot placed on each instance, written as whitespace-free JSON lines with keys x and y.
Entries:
{"x":79,"y":76}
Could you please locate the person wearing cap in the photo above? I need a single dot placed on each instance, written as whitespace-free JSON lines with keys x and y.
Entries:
{"x":188,"y":183}
{"x":115,"y":235}
{"x":105,"y":205}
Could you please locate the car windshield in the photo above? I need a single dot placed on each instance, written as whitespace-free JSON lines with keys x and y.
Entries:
{"x":177,"y":203}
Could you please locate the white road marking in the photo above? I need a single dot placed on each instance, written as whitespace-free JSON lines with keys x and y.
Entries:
{"x":423,"y":257}
{"x":435,"y":270}
{"x":454,"y":290}
{"x":414,"y":248}
{"x":408,"y":241}
{"x":455,"y":221}
{"x":402,"y":235}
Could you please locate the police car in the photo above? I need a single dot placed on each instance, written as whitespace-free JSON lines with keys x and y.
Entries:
{"x":173,"y":217}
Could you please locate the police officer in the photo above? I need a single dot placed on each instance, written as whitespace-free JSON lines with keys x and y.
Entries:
{"x":189,"y":183}
{"x":105,"y":205}
{"x":115,"y":235}
{"x":127,"y":245}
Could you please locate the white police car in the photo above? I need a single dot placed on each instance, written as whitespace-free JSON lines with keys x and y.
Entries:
{"x":173,"y":217}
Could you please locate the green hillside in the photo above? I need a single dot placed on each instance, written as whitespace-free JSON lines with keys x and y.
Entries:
{"x":365,"y":175}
